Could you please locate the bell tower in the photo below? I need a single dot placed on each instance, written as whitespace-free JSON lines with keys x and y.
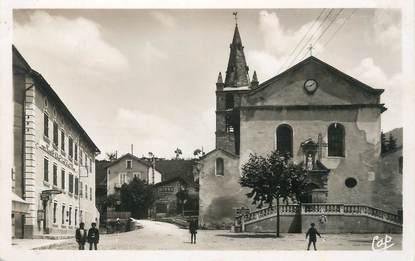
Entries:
{"x":228,"y":96}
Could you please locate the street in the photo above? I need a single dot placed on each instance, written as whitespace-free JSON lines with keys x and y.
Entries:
{"x":163,"y":236}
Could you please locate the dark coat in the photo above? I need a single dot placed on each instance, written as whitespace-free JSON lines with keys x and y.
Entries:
{"x":193,"y":226}
{"x":93,"y":235}
{"x":312,"y":233}
{"x":79,"y":238}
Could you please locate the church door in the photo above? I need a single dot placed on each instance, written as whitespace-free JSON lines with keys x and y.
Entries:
{"x":285,"y":139}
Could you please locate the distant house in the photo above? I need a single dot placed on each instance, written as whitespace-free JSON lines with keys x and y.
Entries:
{"x":124,"y":169}
{"x":169,"y":203}
{"x":177,"y":176}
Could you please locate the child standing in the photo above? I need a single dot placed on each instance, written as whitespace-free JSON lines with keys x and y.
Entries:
{"x":312,"y":236}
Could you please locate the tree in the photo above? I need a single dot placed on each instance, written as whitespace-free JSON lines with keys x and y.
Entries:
{"x":197,"y":152}
{"x":392,"y":142}
{"x":110,"y":201}
{"x":136,"y":197}
{"x":383,"y":143}
{"x":178,"y":152}
{"x":111,"y":155}
{"x":272,"y":178}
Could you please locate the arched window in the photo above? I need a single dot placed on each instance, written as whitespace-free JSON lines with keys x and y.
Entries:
{"x":219,"y":167}
{"x":229,"y":102}
{"x":336,"y":135}
{"x":285,"y":139}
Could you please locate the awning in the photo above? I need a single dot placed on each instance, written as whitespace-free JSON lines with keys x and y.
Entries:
{"x":19,"y":205}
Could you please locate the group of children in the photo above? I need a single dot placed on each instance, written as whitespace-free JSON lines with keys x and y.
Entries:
{"x":82,"y":236}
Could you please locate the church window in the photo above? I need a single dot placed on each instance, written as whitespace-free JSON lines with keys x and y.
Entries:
{"x":229,"y":101}
{"x":285,"y":139}
{"x":219,"y":167}
{"x":336,"y":135}
{"x":350,"y":182}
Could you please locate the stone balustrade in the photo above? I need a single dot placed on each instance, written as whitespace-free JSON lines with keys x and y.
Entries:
{"x":316,"y":208}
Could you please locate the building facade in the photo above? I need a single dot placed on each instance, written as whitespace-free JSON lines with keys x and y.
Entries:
{"x":124,"y":169}
{"x":54,"y":159}
{"x":167,"y":200}
{"x":324,"y":119}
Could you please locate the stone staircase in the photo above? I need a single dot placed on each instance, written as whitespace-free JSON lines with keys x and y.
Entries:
{"x":306,"y":211}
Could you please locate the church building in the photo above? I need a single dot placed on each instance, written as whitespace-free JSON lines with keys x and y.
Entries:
{"x":321,"y":117}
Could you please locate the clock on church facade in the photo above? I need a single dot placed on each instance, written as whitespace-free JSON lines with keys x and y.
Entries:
{"x":335,"y":135}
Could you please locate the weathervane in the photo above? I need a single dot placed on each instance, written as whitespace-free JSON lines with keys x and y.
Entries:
{"x":236,"y":18}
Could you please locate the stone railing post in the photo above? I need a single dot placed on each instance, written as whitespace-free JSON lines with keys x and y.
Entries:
{"x":302,"y":209}
{"x":342,"y":209}
{"x":243,"y":223}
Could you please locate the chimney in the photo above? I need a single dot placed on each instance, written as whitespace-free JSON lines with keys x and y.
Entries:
{"x":132,"y":149}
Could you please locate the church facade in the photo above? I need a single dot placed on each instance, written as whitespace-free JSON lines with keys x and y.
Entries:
{"x":318,"y":115}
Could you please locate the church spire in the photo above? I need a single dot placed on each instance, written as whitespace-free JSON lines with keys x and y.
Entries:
{"x":237,"y":71}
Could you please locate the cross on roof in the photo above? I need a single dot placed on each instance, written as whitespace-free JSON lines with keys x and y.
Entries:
{"x":310,"y":48}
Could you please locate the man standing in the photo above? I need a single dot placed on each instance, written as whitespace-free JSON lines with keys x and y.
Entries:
{"x":80,"y":236}
{"x":312,"y":235}
{"x":193,"y":226}
{"x":93,"y":236}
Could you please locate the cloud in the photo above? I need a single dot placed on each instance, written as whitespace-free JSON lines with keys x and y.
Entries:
{"x":74,"y":44}
{"x":265,"y":64}
{"x":165,"y":19}
{"x":387,"y":30}
{"x":370,"y":73}
{"x":150,"y":52}
{"x":278,"y":45}
{"x":280,"y":40}
{"x":151,"y":132}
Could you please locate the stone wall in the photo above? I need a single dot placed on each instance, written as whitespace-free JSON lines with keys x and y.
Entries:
{"x":362,"y":146}
{"x":219,"y":196}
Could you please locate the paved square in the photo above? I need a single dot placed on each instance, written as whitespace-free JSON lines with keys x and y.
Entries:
{"x":164,"y":236}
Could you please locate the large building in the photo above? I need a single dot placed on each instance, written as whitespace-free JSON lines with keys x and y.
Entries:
{"x":54,"y":160}
{"x":323,"y":118}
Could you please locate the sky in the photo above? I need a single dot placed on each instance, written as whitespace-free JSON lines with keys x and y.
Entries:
{"x":147,"y":77}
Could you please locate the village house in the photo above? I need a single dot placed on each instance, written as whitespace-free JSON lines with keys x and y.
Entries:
{"x":53,"y":176}
{"x":173,"y":198}
{"x":124,"y":169}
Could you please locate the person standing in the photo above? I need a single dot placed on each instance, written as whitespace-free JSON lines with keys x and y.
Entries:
{"x":93,"y":236}
{"x":193,"y":226}
{"x":81,"y":236}
{"x":312,"y":236}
